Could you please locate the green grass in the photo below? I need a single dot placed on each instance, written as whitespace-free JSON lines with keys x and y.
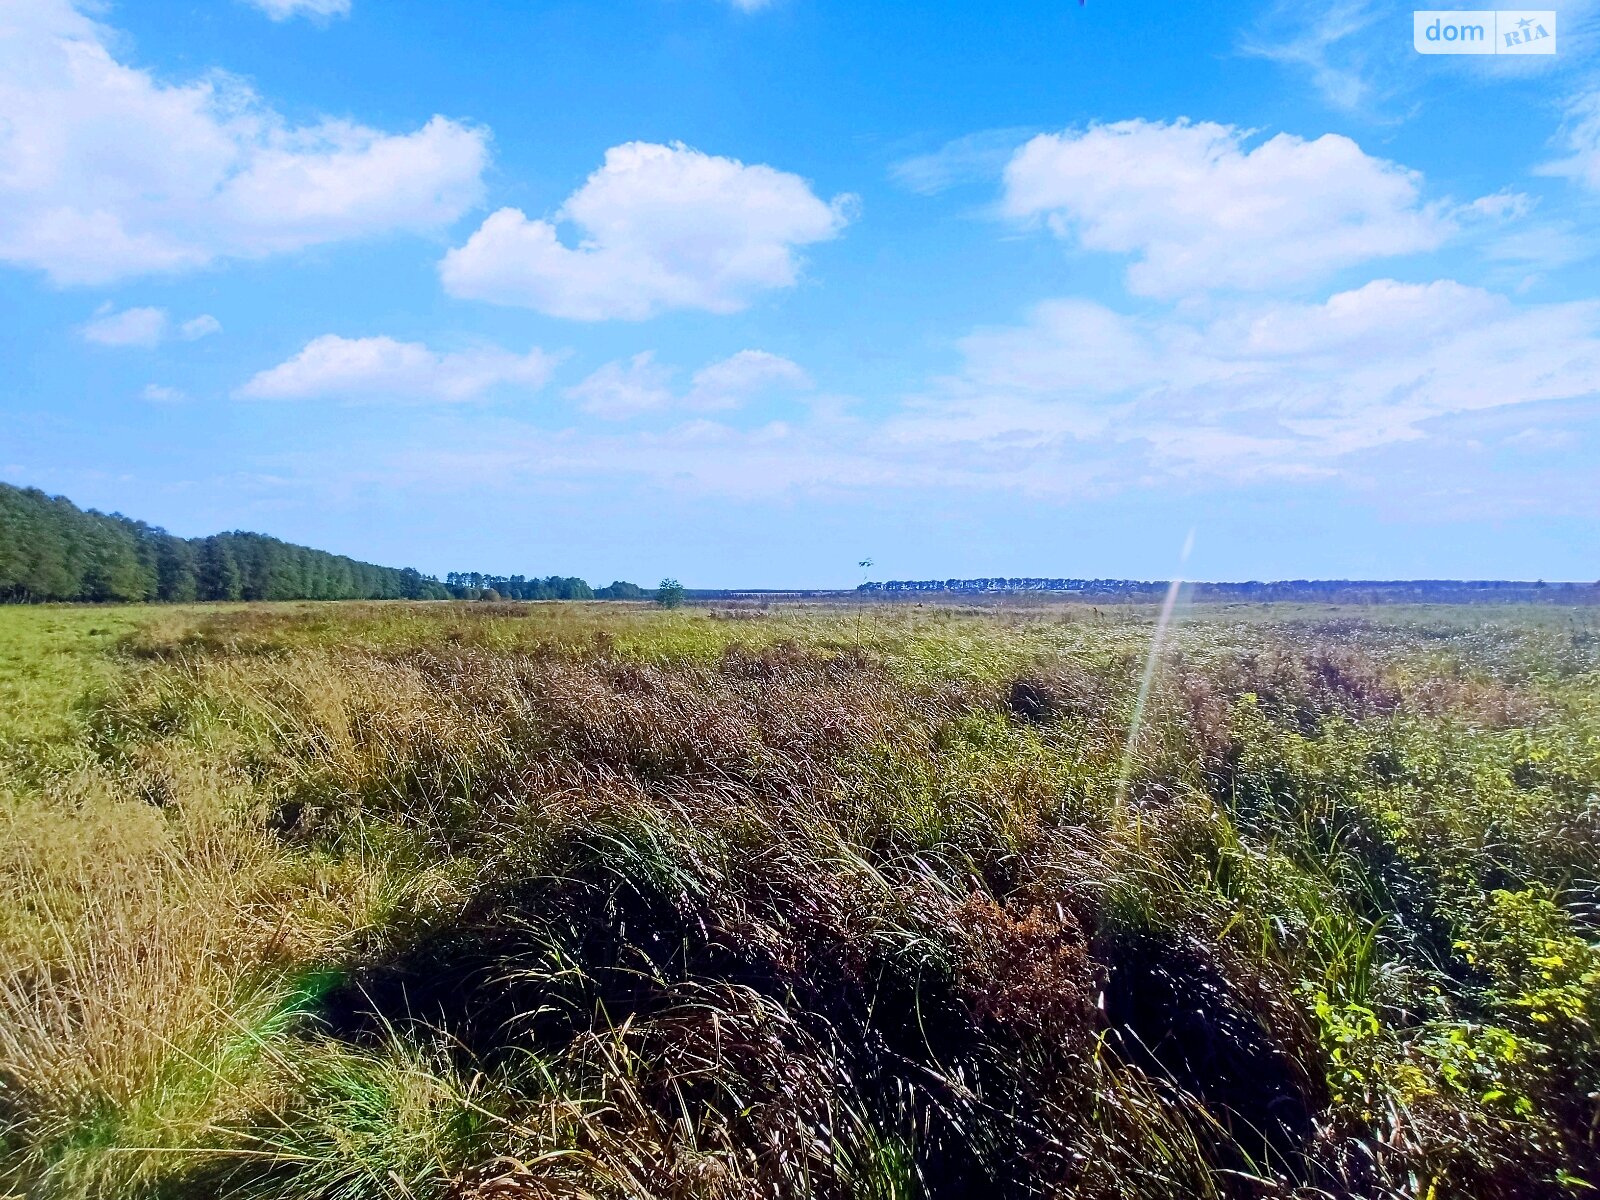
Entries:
{"x":470,"y":901}
{"x":51,"y":658}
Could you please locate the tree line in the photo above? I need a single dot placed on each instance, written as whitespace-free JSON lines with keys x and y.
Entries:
{"x":473,"y":585}
{"x":50,"y":549}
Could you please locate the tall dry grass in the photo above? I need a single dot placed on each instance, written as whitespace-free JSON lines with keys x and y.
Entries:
{"x":435,"y":901}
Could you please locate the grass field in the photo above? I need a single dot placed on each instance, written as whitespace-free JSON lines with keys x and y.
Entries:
{"x":500,"y":902}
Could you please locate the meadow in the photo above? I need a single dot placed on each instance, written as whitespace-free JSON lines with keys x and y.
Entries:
{"x":474,"y":901}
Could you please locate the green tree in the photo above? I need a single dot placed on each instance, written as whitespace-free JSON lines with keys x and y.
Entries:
{"x":113,"y":570}
{"x":50,"y":549}
{"x":219,"y":572}
{"x":177,"y":569}
{"x":670,"y":594}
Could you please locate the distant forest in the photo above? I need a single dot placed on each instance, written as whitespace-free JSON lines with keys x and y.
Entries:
{"x":1342,"y":591}
{"x":50,"y":549}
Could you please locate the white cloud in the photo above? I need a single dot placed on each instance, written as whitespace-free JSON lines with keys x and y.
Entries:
{"x":317,"y":10}
{"x":1329,"y":42}
{"x":1263,"y":389}
{"x":658,"y":228}
{"x":638,"y":385}
{"x":976,"y":157}
{"x":383,"y":369}
{"x":625,"y":388}
{"x":202,"y":326}
{"x":1581,"y":139}
{"x":157,"y":393}
{"x":1544,"y":245}
{"x":144,"y":327}
{"x":1538,"y":441}
{"x":107,"y":171}
{"x":1358,"y":54}
{"x":1199,"y":210}
{"x":1372,"y":390}
{"x":1080,"y":400}
{"x":741,"y":377}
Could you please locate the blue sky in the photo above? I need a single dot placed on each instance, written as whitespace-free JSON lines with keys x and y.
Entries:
{"x":744,"y":292}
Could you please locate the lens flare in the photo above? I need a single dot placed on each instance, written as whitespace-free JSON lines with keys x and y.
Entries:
{"x":1157,"y":643}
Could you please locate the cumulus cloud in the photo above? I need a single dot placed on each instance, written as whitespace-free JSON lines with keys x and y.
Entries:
{"x":1198,"y":209}
{"x":383,"y":369}
{"x":656,"y":228}
{"x":317,"y":10}
{"x":108,"y":172}
{"x":144,"y":327}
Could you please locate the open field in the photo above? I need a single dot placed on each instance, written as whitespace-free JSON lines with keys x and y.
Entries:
{"x":506,"y":902}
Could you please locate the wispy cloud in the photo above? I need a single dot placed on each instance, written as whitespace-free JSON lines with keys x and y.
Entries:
{"x":1580,"y":140}
{"x":377,"y":369}
{"x":198,"y":327}
{"x":1078,"y":400}
{"x":1358,"y":54}
{"x":1330,"y":42}
{"x":317,"y":10}
{"x":1282,"y":387}
{"x":626,"y":388}
{"x":976,"y":158}
{"x":639,"y":385}
{"x":733,"y":381}
{"x":143,"y":327}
